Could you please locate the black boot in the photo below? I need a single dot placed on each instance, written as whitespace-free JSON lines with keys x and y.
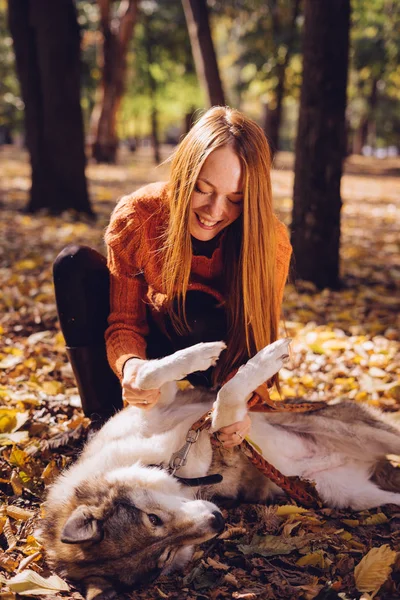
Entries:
{"x":98,"y":386}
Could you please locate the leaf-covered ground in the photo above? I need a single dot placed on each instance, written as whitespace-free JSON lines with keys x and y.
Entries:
{"x":346,"y":345}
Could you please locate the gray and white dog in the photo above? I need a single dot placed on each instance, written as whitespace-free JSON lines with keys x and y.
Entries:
{"x":114,"y":520}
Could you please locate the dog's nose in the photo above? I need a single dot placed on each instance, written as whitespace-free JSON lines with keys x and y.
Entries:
{"x":218,"y":521}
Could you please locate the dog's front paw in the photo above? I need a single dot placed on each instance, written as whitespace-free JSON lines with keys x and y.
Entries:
{"x":264,"y":364}
{"x":195,"y":358}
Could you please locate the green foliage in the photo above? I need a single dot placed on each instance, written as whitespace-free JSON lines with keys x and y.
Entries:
{"x":161,"y":72}
{"x":11,"y":104}
{"x":375,"y":61}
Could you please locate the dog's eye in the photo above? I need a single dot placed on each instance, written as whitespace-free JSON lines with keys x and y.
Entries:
{"x":154,"y":520}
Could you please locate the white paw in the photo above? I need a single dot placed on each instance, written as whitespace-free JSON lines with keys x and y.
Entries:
{"x":234,"y":394}
{"x":154,"y":373}
{"x":263,"y":365}
{"x":196,"y":358}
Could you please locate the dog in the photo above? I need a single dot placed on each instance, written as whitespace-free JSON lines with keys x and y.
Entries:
{"x":117,"y":518}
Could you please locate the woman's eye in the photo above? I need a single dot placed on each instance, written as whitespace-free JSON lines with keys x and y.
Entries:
{"x":155,"y":520}
{"x":237,"y":202}
{"x":197,"y":189}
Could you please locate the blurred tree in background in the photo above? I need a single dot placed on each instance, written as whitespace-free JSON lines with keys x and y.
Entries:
{"x":47,"y":52}
{"x":321,"y":142}
{"x":117,"y":22}
{"x":198,"y":23}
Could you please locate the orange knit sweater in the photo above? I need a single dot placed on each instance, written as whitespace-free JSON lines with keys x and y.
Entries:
{"x":134,"y":240}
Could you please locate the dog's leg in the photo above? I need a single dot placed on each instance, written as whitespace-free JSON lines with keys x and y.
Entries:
{"x":231,"y":403}
{"x":350,"y":486}
{"x":153,"y":374}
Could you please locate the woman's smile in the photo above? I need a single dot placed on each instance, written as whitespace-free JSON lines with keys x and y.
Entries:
{"x":206,"y":223}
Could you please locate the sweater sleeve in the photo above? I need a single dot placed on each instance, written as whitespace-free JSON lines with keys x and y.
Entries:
{"x":125,"y":335}
{"x":283,"y":254}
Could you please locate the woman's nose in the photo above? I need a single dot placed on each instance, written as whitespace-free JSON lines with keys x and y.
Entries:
{"x":216,"y":207}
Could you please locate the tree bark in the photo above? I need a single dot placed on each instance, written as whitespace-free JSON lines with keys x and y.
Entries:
{"x":47,"y":51}
{"x":205,"y":60}
{"x":155,"y":140}
{"x":321,"y":142}
{"x":273,"y":114}
{"x":117,"y":31}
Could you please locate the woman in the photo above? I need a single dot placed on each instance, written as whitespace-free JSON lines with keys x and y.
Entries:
{"x":199,"y":258}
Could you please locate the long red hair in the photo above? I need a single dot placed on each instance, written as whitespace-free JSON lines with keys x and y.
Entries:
{"x":250,"y":242}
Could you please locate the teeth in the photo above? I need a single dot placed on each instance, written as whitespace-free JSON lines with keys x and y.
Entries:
{"x":207,"y":223}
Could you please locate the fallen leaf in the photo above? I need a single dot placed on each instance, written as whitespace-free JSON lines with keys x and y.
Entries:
{"x":30,"y":583}
{"x":374,"y":568}
{"x":290,"y":509}
{"x":272,"y":545}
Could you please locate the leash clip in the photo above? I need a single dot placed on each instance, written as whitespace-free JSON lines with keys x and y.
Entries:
{"x":179,"y":458}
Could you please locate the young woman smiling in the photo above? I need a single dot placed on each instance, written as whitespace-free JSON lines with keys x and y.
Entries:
{"x":199,"y":258}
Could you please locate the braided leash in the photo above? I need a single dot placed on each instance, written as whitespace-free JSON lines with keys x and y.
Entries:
{"x":301,"y":490}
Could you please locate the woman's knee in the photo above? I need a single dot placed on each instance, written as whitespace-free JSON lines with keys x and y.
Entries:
{"x":75,"y":259}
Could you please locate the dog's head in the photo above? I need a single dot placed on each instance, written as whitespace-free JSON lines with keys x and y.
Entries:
{"x":123,"y":530}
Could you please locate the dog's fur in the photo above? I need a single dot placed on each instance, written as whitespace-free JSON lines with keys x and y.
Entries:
{"x":114,"y":519}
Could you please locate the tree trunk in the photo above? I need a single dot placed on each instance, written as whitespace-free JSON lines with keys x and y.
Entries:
{"x":47,"y":51}
{"x":321,"y":142}
{"x":117,"y":31}
{"x":365,"y":132}
{"x":273,"y":111}
{"x":155,"y":140}
{"x":197,"y":19}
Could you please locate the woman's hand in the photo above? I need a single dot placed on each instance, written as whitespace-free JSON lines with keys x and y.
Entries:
{"x":133,"y":395}
{"x":233,"y":435}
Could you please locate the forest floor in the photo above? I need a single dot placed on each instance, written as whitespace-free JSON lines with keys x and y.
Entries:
{"x":346,"y":344}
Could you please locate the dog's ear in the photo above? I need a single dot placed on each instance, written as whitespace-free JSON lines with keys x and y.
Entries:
{"x":82,"y":527}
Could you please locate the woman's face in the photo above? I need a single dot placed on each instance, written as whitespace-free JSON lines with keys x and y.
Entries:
{"x":217,"y":199}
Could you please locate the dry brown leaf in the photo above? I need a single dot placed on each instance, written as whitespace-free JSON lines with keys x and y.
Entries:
{"x":374,"y":568}
{"x":19,"y":514}
{"x":7,"y":562}
{"x":9,"y":535}
{"x":215,"y":564}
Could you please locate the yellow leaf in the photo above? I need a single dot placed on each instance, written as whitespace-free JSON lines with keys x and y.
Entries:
{"x":18,"y":457}
{"x":346,"y":535}
{"x":32,"y":546}
{"x":377,"y":519}
{"x":351,"y":522}
{"x":315,"y":559}
{"x":11,"y":419}
{"x":31,"y":364}
{"x":27,"y":264}
{"x":52,"y":388}
{"x":290,"y":509}
{"x":50,"y":472}
{"x":374,"y":568}
{"x":307,"y":381}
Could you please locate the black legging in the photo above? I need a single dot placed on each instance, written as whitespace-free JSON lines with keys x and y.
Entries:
{"x":81,"y":280}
